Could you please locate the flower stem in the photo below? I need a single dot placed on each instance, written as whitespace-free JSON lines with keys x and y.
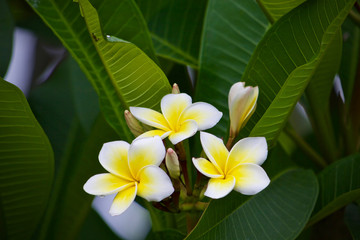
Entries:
{"x":180,"y":150}
{"x":230,"y":142}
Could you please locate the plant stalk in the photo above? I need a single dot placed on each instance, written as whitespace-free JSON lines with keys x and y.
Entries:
{"x":180,"y":150}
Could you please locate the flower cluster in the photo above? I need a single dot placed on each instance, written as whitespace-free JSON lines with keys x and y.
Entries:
{"x":141,"y":168}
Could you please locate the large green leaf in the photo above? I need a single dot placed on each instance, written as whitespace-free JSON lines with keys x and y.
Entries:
{"x":26,"y":165}
{"x":232,"y":29}
{"x":271,"y":214}
{"x":175,"y":28}
{"x":275,"y":9}
{"x":339,"y":185}
{"x":287,"y":58}
{"x":6,"y":36}
{"x":114,"y":96}
{"x":124,"y":20}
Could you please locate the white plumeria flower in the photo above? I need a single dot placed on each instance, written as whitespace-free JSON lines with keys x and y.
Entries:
{"x":242,"y":104}
{"x":238,"y":170}
{"x":180,"y":118}
{"x":133,"y":170}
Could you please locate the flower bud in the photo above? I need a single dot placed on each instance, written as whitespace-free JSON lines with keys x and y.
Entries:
{"x":242,"y":104}
{"x":133,"y":124}
{"x":175,"y":89}
{"x":172,"y":163}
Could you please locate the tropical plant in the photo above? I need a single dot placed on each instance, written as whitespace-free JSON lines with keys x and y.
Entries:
{"x":279,"y":58}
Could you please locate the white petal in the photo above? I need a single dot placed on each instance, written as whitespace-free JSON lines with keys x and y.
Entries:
{"x":187,"y":129}
{"x":150,"y":117}
{"x":250,"y":178}
{"x":248,"y":150}
{"x":219,"y":187}
{"x":205,"y":115}
{"x":161,"y":133}
{"x":105,"y":184}
{"x":207,"y":168}
{"x":215,"y":149}
{"x":123,"y":200}
{"x":144,"y":152}
{"x":242,"y":104}
{"x":154,"y":184}
{"x":172,"y":105}
{"x":113,"y":157}
{"x":235,"y":90}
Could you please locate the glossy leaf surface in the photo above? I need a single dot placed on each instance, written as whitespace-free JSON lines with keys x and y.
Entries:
{"x":268,"y":215}
{"x":339,"y":185}
{"x":26,"y":165}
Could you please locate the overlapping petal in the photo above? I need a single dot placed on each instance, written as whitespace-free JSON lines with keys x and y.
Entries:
{"x":113,"y":157}
{"x":215,"y":149}
{"x":207,"y":168}
{"x":187,"y":129}
{"x":242,"y":104}
{"x":205,"y":115}
{"x":144,"y":152}
{"x":220,"y":187}
{"x":248,"y":150}
{"x":105,"y":184}
{"x":250,"y":178}
{"x":161,"y":133}
{"x":172,"y":105}
{"x":154,"y":184}
{"x":123,"y":200}
{"x":150,"y":117}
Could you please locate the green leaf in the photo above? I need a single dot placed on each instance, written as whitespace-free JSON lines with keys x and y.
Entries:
{"x":26,"y":165}
{"x":175,"y":28}
{"x":6,"y":36}
{"x":268,"y":215}
{"x":287,"y":58}
{"x":136,"y":78}
{"x":120,"y":18}
{"x":339,"y":185}
{"x":114,"y":96}
{"x":232,"y":30}
{"x":275,"y":9}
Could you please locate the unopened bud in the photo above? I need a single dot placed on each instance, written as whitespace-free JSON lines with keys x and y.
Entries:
{"x":242,"y":104}
{"x":172,"y":163}
{"x":133,"y":124}
{"x":175,"y":89}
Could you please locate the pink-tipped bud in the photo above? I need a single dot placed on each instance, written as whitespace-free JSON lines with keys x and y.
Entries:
{"x":242,"y":104}
{"x":133,"y":124}
{"x":175,"y":89}
{"x":172,"y":163}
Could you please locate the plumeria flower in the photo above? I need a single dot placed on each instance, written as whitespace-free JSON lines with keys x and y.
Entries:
{"x":242,"y":104}
{"x":180,"y":118}
{"x":238,"y":169}
{"x":133,"y":170}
